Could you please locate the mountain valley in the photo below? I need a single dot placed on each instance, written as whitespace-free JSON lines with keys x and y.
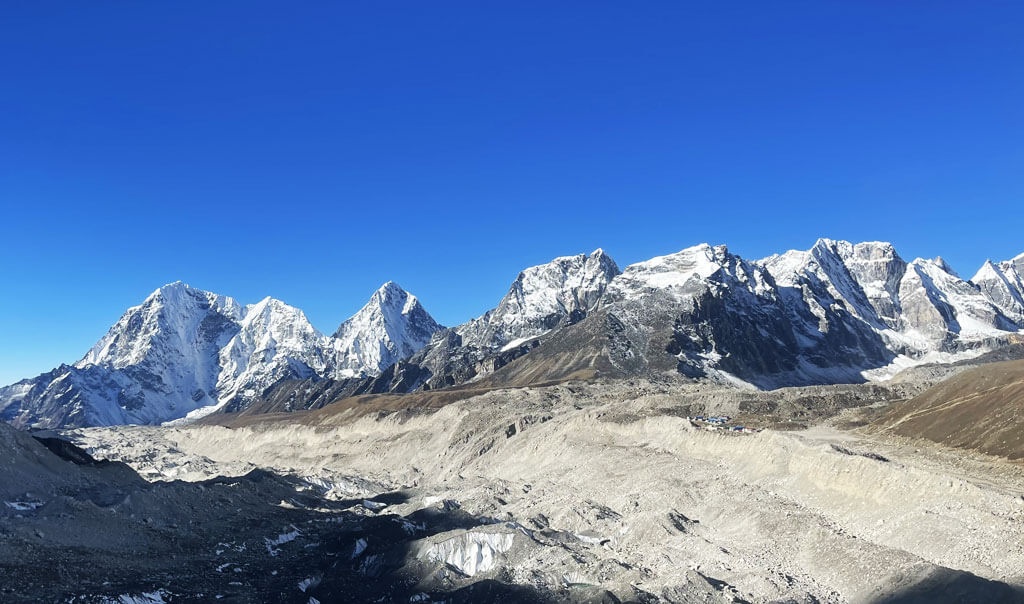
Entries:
{"x":831,"y":425}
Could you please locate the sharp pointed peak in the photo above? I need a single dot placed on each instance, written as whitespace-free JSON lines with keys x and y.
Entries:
{"x":941,"y":263}
{"x":988,"y":270}
{"x":271,"y":303}
{"x":388,"y":292}
{"x":390,"y":286}
{"x":831,"y":245}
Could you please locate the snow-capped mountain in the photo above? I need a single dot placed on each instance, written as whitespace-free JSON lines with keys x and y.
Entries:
{"x":838,"y":312}
{"x":541,"y":299}
{"x":160,"y":360}
{"x":275,"y":341}
{"x":392,"y":326}
{"x":674,"y":275}
{"x":917,"y":308}
{"x":184,"y":350}
{"x":1003,"y":284}
{"x":706,"y":311}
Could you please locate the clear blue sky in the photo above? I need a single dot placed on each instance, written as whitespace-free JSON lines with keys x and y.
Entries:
{"x":311,"y":151}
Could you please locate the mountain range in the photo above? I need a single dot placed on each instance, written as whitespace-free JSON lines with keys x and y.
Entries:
{"x":838,"y":312}
{"x":187,"y":351}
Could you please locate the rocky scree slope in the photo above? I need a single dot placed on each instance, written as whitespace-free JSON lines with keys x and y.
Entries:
{"x":606,"y":487}
{"x":251,"y":536}
{"x":185,"y":350}
{"x":980,"y":409}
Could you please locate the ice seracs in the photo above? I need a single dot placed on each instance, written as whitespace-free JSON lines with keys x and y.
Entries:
{"x":470,"y":552}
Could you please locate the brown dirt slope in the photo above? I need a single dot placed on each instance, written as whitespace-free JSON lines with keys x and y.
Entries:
{"x":981,"y":409}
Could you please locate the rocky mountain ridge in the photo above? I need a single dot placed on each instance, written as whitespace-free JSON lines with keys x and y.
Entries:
{"x":541,"y":300}
{"x":836,"y":313}
{"x":186,"y":352}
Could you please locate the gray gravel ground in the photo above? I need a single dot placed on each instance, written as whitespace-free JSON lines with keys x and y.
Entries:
{"x":606,"y":492}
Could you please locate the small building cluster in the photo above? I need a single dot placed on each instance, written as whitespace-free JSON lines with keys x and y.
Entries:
{"x":719,"y":422}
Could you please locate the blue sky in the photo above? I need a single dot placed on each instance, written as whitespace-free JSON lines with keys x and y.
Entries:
{"x":312,"y":151}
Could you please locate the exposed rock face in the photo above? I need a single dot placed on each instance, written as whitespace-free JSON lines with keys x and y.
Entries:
{"x":838,"y":312}
{"x":714,"y":312}
{"x":1003,"y":283}
{"x":917,"y":307}
{"x":542,"y":299}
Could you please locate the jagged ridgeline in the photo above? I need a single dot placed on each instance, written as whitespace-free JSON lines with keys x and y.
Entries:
{"x":836,"y":313}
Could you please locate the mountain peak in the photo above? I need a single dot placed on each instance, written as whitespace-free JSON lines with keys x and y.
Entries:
{"x":987,"y":272}
{"x":541,"y":298}
{"x":390,"y":293}
{"x":390,"y":296}
{"x":391,"y":326}
{"x":178,"y":284}
{"x":389,"y":286}
{"x":1017,"y":262}
{"x":673,"y":270}
{"x":273,"y":306}
{"x":941,"y":263}
{"x":169,"y":290}
{"x":825,"y":242}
